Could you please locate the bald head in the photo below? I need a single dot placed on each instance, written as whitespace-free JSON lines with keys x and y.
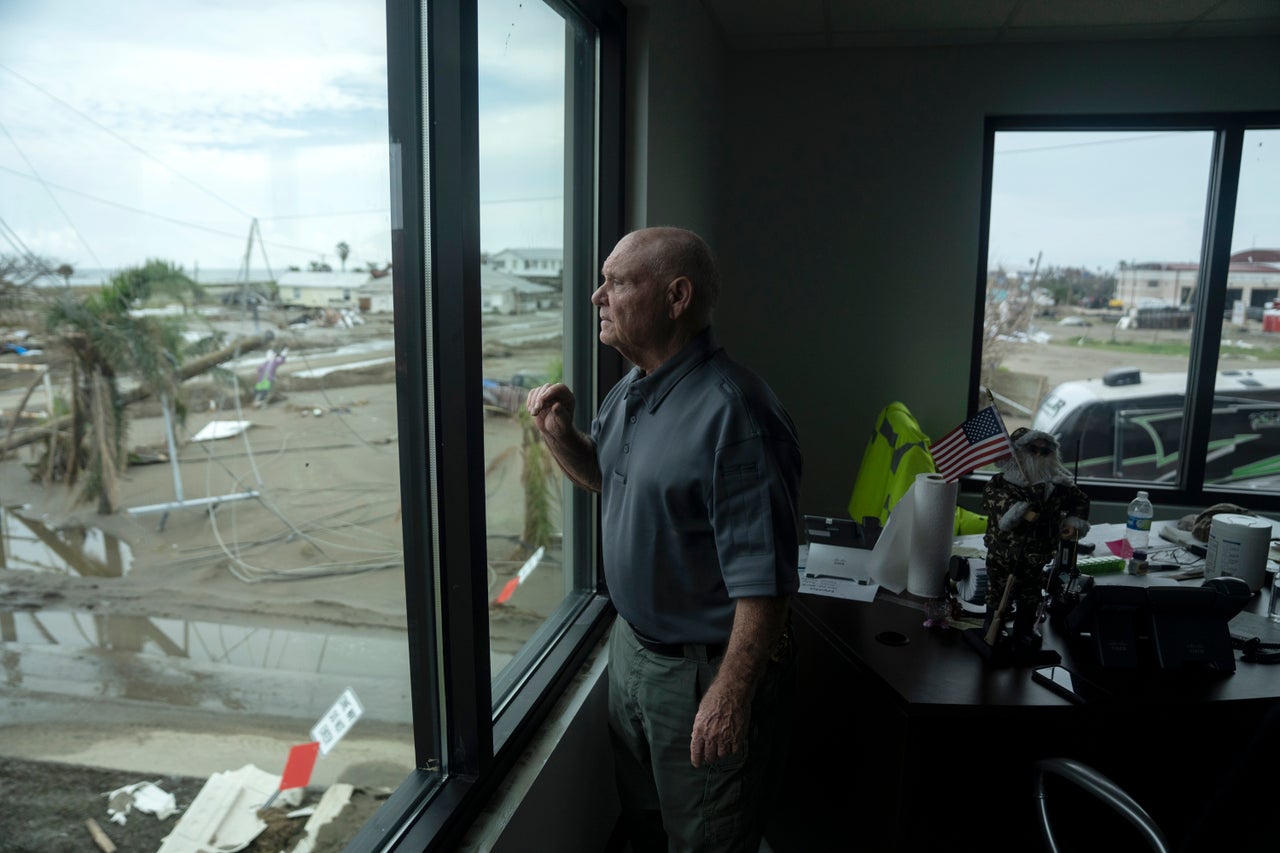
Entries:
{"x":667,"y":253}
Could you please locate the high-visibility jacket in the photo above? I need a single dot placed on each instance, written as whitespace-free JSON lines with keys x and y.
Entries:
{"x":897,"y":451}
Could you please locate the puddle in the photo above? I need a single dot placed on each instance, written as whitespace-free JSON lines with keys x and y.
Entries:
{"x":205,"y":665}
{"x":27,"y":544}
{"x":175,"y":662}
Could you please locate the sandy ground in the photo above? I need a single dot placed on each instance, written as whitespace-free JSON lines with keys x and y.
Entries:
{"x":175,"y":644}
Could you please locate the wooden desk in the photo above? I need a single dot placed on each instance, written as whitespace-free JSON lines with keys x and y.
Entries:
{"x":930,"y":748}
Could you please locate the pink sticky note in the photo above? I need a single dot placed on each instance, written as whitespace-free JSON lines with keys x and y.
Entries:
{"x":297,"y":770}
{"x":1121,"y":548}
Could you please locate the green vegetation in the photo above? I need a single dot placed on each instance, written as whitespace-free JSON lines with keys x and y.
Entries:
{"x":538,"y":476}
{"x":1175,"y":348}
{"x":105,"y":343}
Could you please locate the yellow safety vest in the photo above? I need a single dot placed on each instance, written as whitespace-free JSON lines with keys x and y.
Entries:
{"x":897,"y":451}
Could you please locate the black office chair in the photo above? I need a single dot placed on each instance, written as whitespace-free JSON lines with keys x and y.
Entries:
{"x":1233,"y":817}
{"x":1102,"y":788}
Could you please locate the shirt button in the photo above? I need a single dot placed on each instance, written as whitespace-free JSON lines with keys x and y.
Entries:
{"x":633,"y":419}
{"x":626,"y":448}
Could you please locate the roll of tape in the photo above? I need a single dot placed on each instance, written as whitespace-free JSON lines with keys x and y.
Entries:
{"x":1238,"y":546}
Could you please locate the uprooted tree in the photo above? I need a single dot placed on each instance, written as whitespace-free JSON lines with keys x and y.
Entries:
{"x":105,"y":342}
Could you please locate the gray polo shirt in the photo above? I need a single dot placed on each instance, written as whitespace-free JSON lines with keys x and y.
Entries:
{"x":700,"y":481}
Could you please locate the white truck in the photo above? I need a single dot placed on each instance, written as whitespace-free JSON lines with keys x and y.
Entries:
{"x":1128,"y":424}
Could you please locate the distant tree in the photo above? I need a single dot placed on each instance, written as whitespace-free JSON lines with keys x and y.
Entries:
{"x":343,"y":250}
{"x":1076,"y":285}
{"x":105,"y":343}
{"x":319,"y":266}
{"x":66,"y":271}
{"x":19,"y":277}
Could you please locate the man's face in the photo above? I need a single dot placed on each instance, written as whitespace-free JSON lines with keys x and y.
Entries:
{"x":634,"y":317}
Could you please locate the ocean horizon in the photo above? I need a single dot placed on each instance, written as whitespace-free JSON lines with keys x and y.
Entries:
{"x":93,"y":277}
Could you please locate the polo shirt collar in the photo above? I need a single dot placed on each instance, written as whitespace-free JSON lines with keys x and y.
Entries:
{"x":654,"y":387}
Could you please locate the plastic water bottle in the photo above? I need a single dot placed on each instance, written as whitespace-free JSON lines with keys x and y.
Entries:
{"x":1137,"y":529}
{"x":1273,"y":604}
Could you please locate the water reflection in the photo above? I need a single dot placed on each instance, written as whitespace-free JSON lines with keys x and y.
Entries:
{"x":27,"y":544}
{"x":209,"y":665}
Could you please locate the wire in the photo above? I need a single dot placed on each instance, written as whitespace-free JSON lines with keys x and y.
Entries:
{"x":52,"y":197}
{"x":117,"y":136}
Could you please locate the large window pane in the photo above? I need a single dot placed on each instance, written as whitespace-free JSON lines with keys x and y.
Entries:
{"x":1093,"y":259}
{"x":196,"y":570}
{"x":1245,"y":437}
{"x":1101,"y":352}
{"x":530,"y":59}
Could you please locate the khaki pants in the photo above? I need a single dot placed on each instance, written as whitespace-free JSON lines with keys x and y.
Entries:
{"x":667,"y":803}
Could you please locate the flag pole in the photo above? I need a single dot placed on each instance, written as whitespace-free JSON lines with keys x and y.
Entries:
{"x":991,"y":400}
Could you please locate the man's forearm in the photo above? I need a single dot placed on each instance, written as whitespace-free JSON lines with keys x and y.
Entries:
{"x":575,"y":453}
{"x":758,"y":623}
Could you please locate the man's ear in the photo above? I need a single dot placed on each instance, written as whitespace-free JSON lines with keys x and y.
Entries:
{"x":679,"y":296}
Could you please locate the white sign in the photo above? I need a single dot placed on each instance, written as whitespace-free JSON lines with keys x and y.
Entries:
{"x":337,"y":720}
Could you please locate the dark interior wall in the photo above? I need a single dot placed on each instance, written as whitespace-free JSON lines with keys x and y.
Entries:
{"x":676,"y":98}
{"x":849,"y":221}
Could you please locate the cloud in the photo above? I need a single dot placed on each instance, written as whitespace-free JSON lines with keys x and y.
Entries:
{"x":141,"y":128}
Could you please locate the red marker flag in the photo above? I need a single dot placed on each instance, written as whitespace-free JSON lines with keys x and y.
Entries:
{"x":297,"y":770}
{"x":529,"y":565}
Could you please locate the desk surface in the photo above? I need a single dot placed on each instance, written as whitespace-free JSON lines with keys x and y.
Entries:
{"x":938,"y":667}
{"x":921,"y":733}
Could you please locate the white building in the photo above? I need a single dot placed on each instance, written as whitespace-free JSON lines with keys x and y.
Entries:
{"x":1253,"y":277}
{"x":542,"y":265}
{"x":322,"y":289}
{"x":501,"y":293}
{"x":375,"y":297}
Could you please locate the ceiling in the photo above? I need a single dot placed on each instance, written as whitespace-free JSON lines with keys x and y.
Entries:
{"x":772,"y":24}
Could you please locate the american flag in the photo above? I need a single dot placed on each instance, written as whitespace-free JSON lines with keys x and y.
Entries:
{"x":978,"y":441}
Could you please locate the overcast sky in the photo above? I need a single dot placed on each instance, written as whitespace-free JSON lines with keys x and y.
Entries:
{"x":143,"y":129}
{"x":1093,"y":200}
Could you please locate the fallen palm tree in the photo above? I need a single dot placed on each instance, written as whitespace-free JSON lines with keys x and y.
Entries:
{"x":51,"y":429}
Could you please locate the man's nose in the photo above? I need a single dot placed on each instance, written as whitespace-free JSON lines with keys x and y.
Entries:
{"x":597,"y":297}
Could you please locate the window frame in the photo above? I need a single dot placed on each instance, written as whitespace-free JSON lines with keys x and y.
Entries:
{"x":432,"y":83}
{"x":1228,"y":129}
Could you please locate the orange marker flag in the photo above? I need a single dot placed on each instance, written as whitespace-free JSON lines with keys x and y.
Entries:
{"x":525,"y":570}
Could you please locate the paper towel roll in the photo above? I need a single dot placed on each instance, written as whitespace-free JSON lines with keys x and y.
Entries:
{"x":933,"y":519}
{"x":1238,"y":546}
{"x":892,"y":550}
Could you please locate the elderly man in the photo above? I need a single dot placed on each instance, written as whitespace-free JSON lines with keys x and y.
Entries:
{"x":698,"y":469}
{"x":1030,"y":505}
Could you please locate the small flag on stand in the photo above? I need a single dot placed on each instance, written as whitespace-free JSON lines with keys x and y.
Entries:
{"x":298,"y":767}
{"x":529,"y":565}
{"x":980,"y":440}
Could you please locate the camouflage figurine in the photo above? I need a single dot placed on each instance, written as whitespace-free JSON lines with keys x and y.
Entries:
{"x":1029,"y":505}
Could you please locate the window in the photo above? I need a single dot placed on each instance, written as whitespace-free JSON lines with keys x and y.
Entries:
{"x":500,"y":134}
{"x":1126,"y":266}
{"x":237,"y":562}
{"x":353,"y":498}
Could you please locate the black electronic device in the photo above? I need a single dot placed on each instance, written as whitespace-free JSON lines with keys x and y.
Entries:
{"x":1171,"y":629}
{"x":1189,"y":628}
{"x":844,"y":532}
{"x":1068,"y":684}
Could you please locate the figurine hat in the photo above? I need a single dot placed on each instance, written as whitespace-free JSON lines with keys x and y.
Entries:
{"x":1023,"y":437}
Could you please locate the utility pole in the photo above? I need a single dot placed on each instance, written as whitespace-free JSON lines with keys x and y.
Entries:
{"x":243,"y":276}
